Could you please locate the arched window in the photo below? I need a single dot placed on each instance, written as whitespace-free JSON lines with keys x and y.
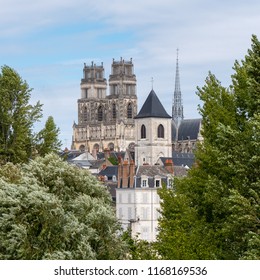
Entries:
{"x":85,"y":114}
{"x":100,"y":113}
{"x":129,"y":111}
{"x":143,"y":131}
{"x":114,"y":111}
{"x":160,"y":131}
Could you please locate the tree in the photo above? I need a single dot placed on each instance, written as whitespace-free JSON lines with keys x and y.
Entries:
{"x":216,"y":207}
{"x":139,"y":249}
{"x":53,"y":210}
{"x":17,"y":117}
{"x":48,"y":140}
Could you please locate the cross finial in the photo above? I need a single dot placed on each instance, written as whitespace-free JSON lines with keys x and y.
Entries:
{"x":152,"y":82}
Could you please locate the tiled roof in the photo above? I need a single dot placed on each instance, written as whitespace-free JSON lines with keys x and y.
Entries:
{"x":152,"y":107}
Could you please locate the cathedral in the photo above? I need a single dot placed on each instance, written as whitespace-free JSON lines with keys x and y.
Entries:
{"x":106,"y":121}
{"x":110,"y":121}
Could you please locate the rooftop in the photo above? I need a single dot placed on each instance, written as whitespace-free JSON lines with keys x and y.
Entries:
{"x":152,"y":107}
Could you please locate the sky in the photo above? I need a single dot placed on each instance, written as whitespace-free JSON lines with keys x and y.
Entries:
{"x":48,"y":42}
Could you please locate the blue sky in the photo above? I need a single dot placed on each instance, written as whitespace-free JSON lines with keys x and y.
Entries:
{"x":48,"y":42}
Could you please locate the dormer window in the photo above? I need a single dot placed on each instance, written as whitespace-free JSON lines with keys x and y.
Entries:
{"x":157,"y":182}
{"x":169,"y":181}
{"x":144,"y":182}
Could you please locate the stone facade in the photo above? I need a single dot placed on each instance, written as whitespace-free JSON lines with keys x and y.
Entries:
{"x":151,"y":146}
{"x":106,"y":121}
{"x":153,"y":132}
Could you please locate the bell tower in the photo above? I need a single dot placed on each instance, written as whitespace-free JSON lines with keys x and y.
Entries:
{"x":153,"y":132}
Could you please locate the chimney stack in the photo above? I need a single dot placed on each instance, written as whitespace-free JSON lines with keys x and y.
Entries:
{"x":169,"y":166}
{"x":125,"y":174}
{"x":132,"y":173}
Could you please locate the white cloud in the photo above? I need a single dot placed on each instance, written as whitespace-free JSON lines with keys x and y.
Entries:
{"x":38,"y":39}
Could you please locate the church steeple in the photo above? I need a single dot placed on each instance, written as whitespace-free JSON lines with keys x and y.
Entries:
{"x":177,"y":107}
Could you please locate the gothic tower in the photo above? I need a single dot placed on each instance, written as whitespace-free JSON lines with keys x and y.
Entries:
{"x":106,"y":121}
{"x":177,"y":107}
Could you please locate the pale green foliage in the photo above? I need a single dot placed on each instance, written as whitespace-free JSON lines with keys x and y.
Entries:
{"x":215,"y":211}
{"x":17,"y":117}
{"x":56,"y":211}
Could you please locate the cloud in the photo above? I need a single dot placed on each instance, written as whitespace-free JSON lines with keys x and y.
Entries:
{"x":48,"y":42}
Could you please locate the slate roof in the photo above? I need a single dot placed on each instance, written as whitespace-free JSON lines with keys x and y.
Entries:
{"x":151,"y":171}
{"x":180,"y":159}
{"x":188,"y":129}
{"x":183,"y":159}
{"x":180,"y":171}
{"x":152,"y":107}
{"x":86,"y":156}
{"x":109,"y":171}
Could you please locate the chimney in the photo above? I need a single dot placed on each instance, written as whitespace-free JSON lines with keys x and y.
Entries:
{"x":132,"y":173}
{"x":125,"y":174}
{"x":119,"y":174}
{"x":169,"y":166}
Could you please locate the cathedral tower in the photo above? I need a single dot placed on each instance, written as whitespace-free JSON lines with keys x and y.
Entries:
{"x":106,"y":121}
{"x":177,"y":107}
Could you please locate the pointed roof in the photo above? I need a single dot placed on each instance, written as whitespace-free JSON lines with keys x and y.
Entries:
{"x":152,"y":107}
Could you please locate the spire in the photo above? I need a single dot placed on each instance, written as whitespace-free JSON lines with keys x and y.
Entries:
{"x":177,"y":107}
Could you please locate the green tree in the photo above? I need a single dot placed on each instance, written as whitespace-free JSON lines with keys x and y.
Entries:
{"x":17,"y":117}
{"x":53,"y":210}
{"x":216,"y":208}
{"x":48,"y":138}
{"x":139,"y":249}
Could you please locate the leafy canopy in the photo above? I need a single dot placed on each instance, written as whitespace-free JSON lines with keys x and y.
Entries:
{"x":52,"y":210}
{"x":214,"y":212}
{"x":48,"y":138}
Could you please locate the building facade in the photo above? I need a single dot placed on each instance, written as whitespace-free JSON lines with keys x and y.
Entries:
{"x":137,"y":200}
{"x":106,"y":121}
